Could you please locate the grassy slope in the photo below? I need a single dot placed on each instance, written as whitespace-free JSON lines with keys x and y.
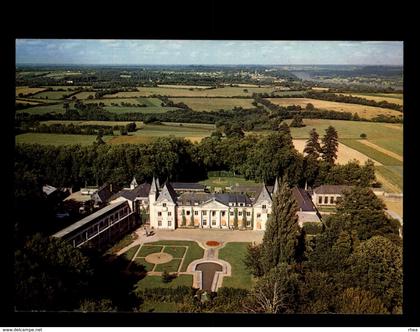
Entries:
{"x":234,"y":253}
{"x":156,"y":282}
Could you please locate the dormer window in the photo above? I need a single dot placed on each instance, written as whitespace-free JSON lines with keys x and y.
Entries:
{"x":164,"y":204}
{"x":264,"y":206}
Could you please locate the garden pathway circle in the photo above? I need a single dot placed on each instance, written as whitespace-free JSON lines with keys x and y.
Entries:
{"x":158,"y":258}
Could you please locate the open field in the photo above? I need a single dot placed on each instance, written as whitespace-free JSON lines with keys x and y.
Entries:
{"x":61,"y":74}
{"x":372,"y":153}
{"x":27,"y":101}
{"x":393,"y":176}
{"x":183,"y":86}
{"x":380,"y":149}
{"x":351,"y":129}
{"x":139,"y":124}
{"x":234,"y":253}
{"x":56,"y":108}
{"x":390,"y":98}
{"x":393,"y":204}
{"x":367,"y":112}
{"x":212,"y":104}
{"x":182,"y":92}
{"x":26,"y":90}
{"x":51,"y":94}
{"x":143,"y":110}
{"x":344,"y":154}
{"x":57,"y":139}
{"x":85,"y":95}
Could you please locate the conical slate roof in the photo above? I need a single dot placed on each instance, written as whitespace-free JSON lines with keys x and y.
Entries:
{"x":263,"y":196}
{"x":168,"y":193}
{"x":134,"y":182}
{"x":154,"y":188}
{"x":276,"y":185}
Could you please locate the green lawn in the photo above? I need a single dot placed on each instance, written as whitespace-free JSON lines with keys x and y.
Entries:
{"x":141,"y":261}
{"x":57,"y":139}
{"x":234,"y":253}
{"x":176,"y":252}
{"x":372,"y":153}
{"x":170,"y":267}
{"x":131,"y":252}
{"x":152,"y":306}
{"x":194,"y":251}
{"x":148,"y":249}
{"x":156,"y":282}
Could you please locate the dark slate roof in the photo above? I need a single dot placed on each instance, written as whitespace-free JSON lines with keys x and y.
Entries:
{"x":243,"y":188}
{"x":104,"y":193}
{"x":190,"y":198}
{"x":187,"y":186}
{"x":88,"y":219}
{"x":232,"y":198}
{"x":131,"y":194}
{"x":303,"y":199}
{"x":331,"y":189}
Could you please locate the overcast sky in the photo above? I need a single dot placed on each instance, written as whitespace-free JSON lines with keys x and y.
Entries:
{"x":184,"y":52}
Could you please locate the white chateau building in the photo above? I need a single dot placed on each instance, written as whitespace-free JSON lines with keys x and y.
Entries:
{"x":188,"y":205}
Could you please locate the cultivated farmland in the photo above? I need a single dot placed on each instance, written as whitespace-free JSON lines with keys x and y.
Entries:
{"x":212,"y":104}
{"x":367,"y":112}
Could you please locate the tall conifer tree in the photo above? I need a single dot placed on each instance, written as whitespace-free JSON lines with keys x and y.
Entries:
{"x":282,"y":231}
{"x":330,"y":145}
{"x":313,"y":148}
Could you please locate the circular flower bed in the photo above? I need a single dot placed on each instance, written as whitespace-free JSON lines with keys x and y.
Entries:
{"x":213,"y":243}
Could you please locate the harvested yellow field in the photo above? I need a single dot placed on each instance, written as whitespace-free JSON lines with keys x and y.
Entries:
{"x":319,"y":89}
{"x":387,"y":185}
{"x":183,"y":86}
{"x":366,"y":112}
{"x":389,"y":99}
{"x":380,"y":149}
{"x":393,"y":126}
{"x":344,"y":153}
{"x":26,"y":90}
{"x":393,"y":204}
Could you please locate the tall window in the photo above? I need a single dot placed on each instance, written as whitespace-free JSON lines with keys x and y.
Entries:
{"x":159,"y":223}
{"x":188,"y":213}
{"x":240,"y":213}
{"x":223,"y":213}
{"x":264,"y":206}
{"x":320,"y":200}
{"x":231,"y":213}
{"x":164,"y":204}
{"x":326,"y":200}
{"x":159,"y":214}
{"x":213,"y":213}
{"x":169,"y":213}
{"x":213,"y":222}
{"x":196,"y":213}
{"x":204,"y":213}
{"x":332,"y":200}
{"x":248,"y":214}
{"x":258,"y":215}
{"x":169,"y":223}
